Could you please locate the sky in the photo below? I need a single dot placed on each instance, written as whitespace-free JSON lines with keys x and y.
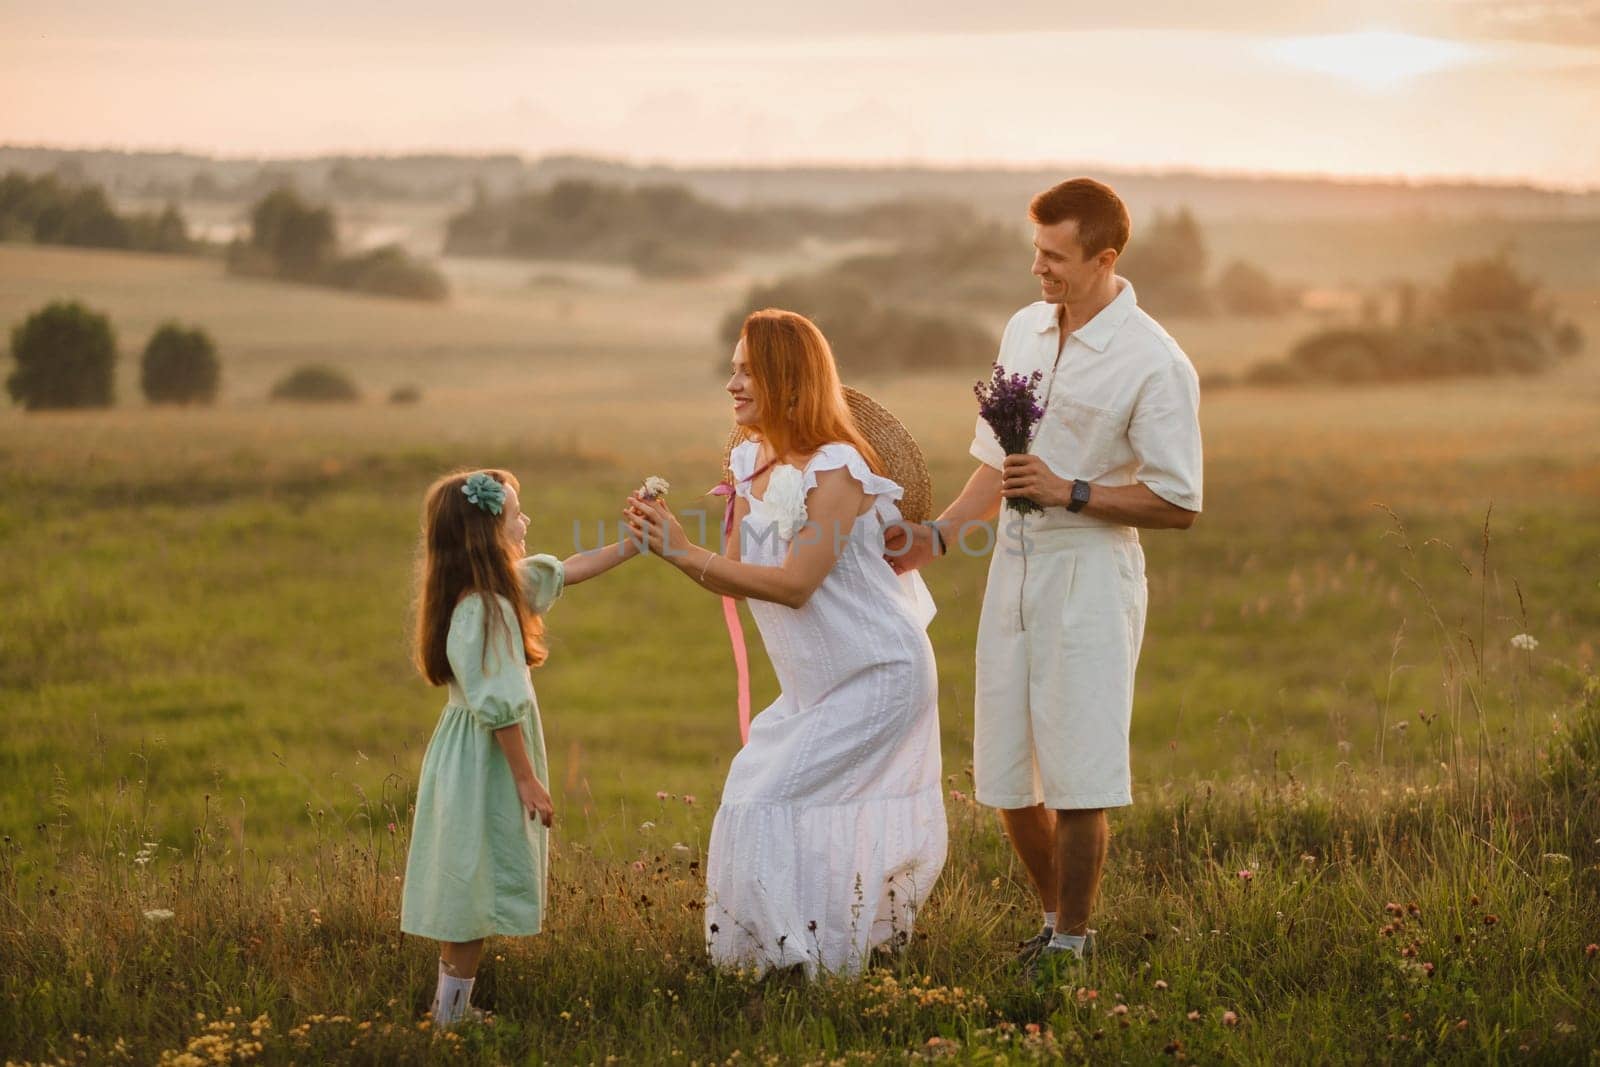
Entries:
{"x":1410,"y":88}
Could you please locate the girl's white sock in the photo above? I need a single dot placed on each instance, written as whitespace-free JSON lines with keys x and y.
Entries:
{"x":451,"y":997}
{"x":1050,"y":921}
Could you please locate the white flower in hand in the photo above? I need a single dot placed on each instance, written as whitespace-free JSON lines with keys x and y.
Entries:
{"x":654,"y":486}
{"x":786,"y":500}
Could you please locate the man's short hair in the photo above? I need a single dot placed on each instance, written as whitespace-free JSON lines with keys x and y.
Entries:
{"x":1102,"y":217}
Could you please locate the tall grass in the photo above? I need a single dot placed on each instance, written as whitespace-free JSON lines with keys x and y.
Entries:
{"x":1438,"y":910}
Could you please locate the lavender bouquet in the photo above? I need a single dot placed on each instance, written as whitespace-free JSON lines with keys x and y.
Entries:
{"x":1008,"y":405}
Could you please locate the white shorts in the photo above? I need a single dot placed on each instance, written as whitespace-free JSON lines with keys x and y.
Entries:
{"x":1058,"y":643}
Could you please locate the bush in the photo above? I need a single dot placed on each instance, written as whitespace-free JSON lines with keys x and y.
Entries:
{"x":1487,"y":286}
{"x":316,"y":383}
{"x":1489,"y":322}
{"x":867,"y":337}
{"x":65,"y":355}
{"x":294,"y":241}
{"x":1479,"y":345}
{"x":1349,"y":354}
{"x":980,"y":267}
{"x":1569,"y":339}
{"x":179,"y":367}
{"x":1245,"y":289}
{"x":386,"y":271}
{"x":651,"y":258}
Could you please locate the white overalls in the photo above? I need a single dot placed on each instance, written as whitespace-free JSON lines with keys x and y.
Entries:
{"x":1064,"y":610}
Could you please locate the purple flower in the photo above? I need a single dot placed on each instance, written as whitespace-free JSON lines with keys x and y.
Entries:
{"x":1008,"y":404}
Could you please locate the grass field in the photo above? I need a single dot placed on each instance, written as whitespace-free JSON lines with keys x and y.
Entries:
{"x":204,"y":647}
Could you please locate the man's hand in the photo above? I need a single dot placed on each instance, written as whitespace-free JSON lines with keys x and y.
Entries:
{"x":908,"y":545}
{"x":1028,"y":476}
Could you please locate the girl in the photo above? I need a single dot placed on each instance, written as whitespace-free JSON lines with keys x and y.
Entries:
{"x":477,"y":860}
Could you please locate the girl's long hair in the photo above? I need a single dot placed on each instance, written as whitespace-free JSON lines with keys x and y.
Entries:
{"x":796,"y":387}
{"x":465,"y":551}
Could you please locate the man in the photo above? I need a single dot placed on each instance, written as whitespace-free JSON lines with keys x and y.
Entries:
{"x":1063,"y":614}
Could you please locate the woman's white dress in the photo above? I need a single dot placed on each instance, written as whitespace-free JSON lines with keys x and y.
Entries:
{"x":832,"y":829}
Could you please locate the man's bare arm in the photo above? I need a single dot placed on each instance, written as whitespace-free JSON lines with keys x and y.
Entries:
{"x":912,"y":545}
{"x":1126,"y":505}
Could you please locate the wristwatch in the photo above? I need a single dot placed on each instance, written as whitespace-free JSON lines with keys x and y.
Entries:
{"x":1080,"y":495}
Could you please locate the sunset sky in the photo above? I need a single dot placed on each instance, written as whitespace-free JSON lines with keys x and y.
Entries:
{"x":1419,"y":88}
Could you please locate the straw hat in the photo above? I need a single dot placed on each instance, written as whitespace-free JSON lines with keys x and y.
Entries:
{"x":901,"y":455}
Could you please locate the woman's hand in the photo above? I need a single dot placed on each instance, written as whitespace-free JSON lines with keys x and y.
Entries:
{"x":654,"y":524}
{"x":536,"y":800}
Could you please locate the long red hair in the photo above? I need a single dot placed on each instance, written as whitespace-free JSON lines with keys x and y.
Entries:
{"x":796,"y":387}
{"x":464,"y":551}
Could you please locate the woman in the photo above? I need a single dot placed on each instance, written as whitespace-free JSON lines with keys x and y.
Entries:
{"x":831,"y":830}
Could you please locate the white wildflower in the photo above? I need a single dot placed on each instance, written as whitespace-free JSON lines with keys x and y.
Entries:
{"x":679,"y":846}
{"x":157,"y":915}
{"x":1526,"y":642}
{"x":646,"y":825}
{"x":654,"y":486}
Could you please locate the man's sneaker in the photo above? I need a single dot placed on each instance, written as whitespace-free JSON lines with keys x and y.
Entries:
{"x":1053,"y":961}
{"x":1027,"y":950}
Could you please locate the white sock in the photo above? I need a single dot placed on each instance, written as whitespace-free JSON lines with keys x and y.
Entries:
{"x":1072,"y":942}
{"x":451,"y":997}
{"x":1050,"y":921}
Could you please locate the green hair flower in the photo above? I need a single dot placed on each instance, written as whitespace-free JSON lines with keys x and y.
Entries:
{"x":485,"y":492}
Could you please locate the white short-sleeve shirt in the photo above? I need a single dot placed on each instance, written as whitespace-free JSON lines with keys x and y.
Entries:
{"x":1123,"y":403}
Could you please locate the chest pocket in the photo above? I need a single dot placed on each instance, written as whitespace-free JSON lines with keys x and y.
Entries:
{"x":1080,"y":440}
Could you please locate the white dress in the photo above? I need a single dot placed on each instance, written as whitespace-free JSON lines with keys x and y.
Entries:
{"x":831,"y":830}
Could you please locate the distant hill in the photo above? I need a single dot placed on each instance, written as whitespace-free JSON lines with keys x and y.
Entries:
{"x":995,"y":191}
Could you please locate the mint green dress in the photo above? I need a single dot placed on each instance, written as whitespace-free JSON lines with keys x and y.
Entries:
{"x":477,"y":861}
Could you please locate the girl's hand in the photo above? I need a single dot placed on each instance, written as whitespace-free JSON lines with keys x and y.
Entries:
{"x":536,"y":800}
{"x":654,"y":523}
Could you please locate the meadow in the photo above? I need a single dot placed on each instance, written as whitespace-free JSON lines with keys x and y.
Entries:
{"x":209,"y":709}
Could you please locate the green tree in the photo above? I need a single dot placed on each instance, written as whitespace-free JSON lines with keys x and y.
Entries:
{"x":296,"y":237}
{"x":1167,"y":265}
{"x":65,"y":356}
{"x":179,"y":366}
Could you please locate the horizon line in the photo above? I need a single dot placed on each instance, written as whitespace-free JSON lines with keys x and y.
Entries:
{"x":1413,"y":181}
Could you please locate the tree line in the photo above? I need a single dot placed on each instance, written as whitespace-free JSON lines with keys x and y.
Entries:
{"x":293,"y":240}
{"x":45,"y":210}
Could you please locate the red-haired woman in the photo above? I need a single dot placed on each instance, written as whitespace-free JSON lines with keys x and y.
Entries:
{"x":831,"y":829}
{"x":477,"y":860}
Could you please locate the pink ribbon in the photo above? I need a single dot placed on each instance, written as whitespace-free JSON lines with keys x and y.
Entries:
{"x":730,"y":614}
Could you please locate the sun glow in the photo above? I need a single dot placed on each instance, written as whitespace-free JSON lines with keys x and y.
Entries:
{"x":1377,"y":60}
